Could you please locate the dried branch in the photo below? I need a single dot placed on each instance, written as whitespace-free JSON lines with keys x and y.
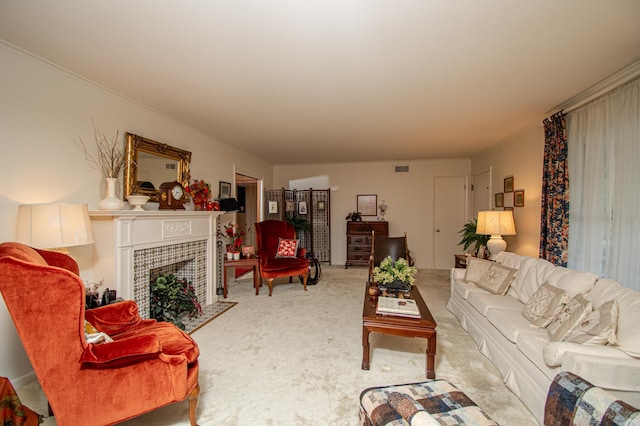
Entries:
{"x":110,"y":157}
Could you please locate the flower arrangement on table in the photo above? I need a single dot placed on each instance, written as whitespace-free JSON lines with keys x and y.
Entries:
{"x":389,"y":271}
{"x":234,"y":236}
{"x":200,"y":191}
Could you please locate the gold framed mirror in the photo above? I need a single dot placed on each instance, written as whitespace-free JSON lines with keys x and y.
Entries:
{"x":149,"y":164}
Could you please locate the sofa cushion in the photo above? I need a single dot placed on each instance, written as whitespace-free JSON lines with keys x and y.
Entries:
{"x":532,"y":346}
{"x":497,"y":279}
{"x":573,"y":282}
{"x":476,"y":268}
{"x":464,"y":288}
{"x":627,"y":335}
{"x":511,"y":323}
{"x":597,"y":328}
{"x":531,"y":275}
{"x":544,"y":305}
{"x":512,"y":260}
{"x":570,"y":315}
{"x":483,"y":301}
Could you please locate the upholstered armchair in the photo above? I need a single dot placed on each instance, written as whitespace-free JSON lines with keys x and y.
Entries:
{"x":146,"y":366}
{"x":279,"y":256}
{"x":382,"y":246}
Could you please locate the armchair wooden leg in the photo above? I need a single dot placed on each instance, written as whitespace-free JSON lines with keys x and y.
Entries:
{"x":270,"y":282}
{"x":304,"y":281}
{"x":193,"y":405}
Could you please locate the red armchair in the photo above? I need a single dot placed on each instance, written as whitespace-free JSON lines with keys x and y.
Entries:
{"x":268,"y":235}
{"x":148,"y":365}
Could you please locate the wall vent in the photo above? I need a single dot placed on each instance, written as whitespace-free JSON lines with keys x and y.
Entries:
{"x":170,"y":166}
{"x":402,"y":169}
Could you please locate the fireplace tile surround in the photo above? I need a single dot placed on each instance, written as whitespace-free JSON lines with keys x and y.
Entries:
{"x":134,"y":247}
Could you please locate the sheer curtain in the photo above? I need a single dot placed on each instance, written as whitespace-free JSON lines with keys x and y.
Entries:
{"x":604,"y":163}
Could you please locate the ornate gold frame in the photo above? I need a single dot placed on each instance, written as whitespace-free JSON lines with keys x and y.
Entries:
{"x":135,"y":144}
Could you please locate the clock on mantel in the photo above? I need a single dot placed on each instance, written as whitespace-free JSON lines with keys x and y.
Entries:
{"x":172,"y":196}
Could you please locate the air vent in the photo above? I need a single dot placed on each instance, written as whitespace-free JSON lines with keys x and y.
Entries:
{"x":402,"y":169}
{"x":170,"y":166}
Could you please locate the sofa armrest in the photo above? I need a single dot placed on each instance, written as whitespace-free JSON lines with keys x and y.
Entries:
{"x":605,"y":372}
{"x":116,"y":317}
{"x":129,"y":350}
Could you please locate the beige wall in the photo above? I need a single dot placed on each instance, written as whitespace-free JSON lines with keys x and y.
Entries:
{"x":519,"y":156}
{"x":42,"y":110}
{"x":408,"y":195}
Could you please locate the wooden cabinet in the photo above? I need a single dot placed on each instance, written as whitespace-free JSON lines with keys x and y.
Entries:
{"x":359,"y":240}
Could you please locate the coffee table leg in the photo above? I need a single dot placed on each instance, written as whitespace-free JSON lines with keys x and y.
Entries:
{"x":431,"y":357}
{"x":365,"y":348}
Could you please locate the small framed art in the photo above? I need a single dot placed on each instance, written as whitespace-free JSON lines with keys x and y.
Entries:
{"x":367,"y":205}
{"x":518,"y":198}
{"x":248,"y":251}
{"x":225,"y":190}
{"x":302,"y":207}
{"x":508,"y":184}
{"x":320,"y":205}
{"x":273,"y":207}
{"x":499,"y":199}
{"x":289,"y":206}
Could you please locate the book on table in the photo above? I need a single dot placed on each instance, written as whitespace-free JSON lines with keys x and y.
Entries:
{"x":397,"y":306}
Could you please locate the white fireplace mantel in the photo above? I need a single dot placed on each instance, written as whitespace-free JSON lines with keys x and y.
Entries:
{"x":118,"y":234}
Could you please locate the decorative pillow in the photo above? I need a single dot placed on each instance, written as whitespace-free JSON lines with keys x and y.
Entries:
{"x":597,"y":328}
{"x":287,"y":248}
{"x":497,"y":279}
{"x":570,"y":315}
{"x":92,"y":335}
{"x":476,"y":268}
{"x":545,"y":305}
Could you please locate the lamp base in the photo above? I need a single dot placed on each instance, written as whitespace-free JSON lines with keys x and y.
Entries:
{"x":496,"y":245}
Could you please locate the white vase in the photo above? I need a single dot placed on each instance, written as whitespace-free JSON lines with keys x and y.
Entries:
{"x":236,"y":256}
{"x":111,"y":202}
{"x":229,"y":255}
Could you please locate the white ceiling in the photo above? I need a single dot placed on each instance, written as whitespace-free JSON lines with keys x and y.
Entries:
{"x":311,"y":81}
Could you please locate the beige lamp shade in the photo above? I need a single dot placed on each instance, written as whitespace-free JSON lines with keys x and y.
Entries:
{"x":54,"y":226}
{"x":496,"y":224}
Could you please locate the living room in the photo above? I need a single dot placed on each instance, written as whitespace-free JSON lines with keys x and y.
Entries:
{"x":46,"y":107}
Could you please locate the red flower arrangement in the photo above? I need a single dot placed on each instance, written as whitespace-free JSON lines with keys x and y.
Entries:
{"x":235,"y":237}
{"x":200,"y":191}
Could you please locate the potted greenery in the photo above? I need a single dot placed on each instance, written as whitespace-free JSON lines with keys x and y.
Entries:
{"x":299,"y":224}
{"x":470,"y":238}
{"x":173,"y":298}
{"x":395,"y":275}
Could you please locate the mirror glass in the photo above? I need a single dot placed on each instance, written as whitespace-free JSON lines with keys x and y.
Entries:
{"x":149,"y":164}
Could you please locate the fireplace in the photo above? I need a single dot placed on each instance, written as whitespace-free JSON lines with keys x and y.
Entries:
{"x":133,"y":248}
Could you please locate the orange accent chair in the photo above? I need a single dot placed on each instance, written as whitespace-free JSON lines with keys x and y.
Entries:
{"x":268,"y":234}
{"x":148,"y":365}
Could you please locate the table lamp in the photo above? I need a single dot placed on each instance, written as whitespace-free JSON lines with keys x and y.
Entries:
{"x":496,"y":224}
{"x":54,"y":226}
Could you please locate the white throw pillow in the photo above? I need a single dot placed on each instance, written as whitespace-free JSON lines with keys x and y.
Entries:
{"x":570,"y":315}
{"x":476,"y":268}
{"x":545,"y":304}
{"x":597,"y":328}
{"x":497,"y":279}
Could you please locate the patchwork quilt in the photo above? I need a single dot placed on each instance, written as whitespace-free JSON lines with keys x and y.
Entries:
{"x":436,"y":402}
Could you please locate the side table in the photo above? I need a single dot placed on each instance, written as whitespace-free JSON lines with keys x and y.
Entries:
{"x":460,"y":261}
{"x":242,"y":262}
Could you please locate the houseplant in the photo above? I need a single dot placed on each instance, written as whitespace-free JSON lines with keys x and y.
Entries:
{"x":109,"y":161}
{"x":396,"y":274}
{"x":172,"y":298}
{"x":299,"y":224}
{"x":235,"y":239}
{"x":469,"y":237}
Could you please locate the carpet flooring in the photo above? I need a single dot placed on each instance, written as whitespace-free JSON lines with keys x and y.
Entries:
{"x":294,"y":358}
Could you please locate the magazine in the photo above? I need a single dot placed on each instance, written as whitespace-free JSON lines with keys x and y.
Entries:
{"x":397,"y":306}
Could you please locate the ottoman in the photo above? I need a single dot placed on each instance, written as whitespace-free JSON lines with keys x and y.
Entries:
{"x":435,"y":402}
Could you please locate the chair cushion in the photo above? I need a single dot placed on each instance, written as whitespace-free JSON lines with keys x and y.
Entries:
{"x":282,"y":264}
{"x":287,"y":248}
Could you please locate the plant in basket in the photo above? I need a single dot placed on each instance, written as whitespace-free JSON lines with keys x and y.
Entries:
{"x":234,"y":237}
{"x":200,"y":191}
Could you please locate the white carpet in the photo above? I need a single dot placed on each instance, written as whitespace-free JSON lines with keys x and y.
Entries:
{"x":294,"y":358}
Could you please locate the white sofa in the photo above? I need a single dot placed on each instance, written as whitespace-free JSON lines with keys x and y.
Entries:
{"x":525,"y":355}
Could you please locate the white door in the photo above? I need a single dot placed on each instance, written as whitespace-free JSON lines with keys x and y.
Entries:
{"x":481,"y":192}
{"x":450,"y":214}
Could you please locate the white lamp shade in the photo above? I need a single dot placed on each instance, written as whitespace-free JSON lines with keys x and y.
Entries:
{"x":495,"y":223}
{"x":47,"y":226}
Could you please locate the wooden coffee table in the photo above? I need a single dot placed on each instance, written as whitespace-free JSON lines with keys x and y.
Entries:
{"x":425,"y":327}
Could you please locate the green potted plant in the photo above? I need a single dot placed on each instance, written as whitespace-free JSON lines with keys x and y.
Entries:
{"x":396,"y":274}
{"x":470,"y":238}
{"x":299,"y":224}
{"x":172,"y":299}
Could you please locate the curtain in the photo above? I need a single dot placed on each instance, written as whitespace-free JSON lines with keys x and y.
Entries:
{"x":554,"y":226}
{"x":604,"y":158}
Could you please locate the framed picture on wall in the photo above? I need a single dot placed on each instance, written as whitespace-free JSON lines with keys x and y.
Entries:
{"x":321,"y":205}
{"x":367,"y":205}
{"x":289,"y":206}
{"x":225,"y":190}
{"x":302,"y":207}
{"x":273,"y":207}
{"x":508,"y":184}
{"x":499,"y":199}
{"x":518,"y":198}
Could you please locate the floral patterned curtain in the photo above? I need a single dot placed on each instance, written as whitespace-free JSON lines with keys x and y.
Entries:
{"x":554,"y":227}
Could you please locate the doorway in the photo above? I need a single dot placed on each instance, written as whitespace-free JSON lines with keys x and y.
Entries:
{"x":450,"y":214}
{"x":248,"y":193}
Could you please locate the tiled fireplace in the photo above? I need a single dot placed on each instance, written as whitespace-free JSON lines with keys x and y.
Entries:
{"x":133,"y":248}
